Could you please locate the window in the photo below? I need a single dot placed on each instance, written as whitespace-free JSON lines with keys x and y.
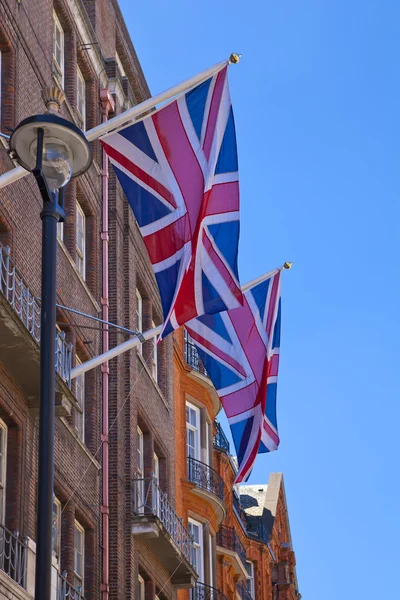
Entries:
{"x":3,"y":469}
{"x":60,"y":231}
{"x":80,"y":239}
{"x":58,"y":49}
{"x":139,"y":317}
{"x":81,"y":97}
{"x":156,"y":493}
{"x":154,"y":355}
{"x":250,"y":578}
{"x":196,"y":531}
{"x":140,"y":472}
{"x":80,"y":398}
{"x":207,"y":442}
{"x":56,"y":527}
{"x":210,"y":550}
{"x":79,"y":556}
{"x":192,"y":431}
{"x":141,"y":589}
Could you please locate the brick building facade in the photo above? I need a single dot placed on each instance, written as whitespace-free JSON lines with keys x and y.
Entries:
{"x":243,"y":547}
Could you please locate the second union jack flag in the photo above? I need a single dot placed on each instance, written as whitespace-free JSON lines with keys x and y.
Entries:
{"x":179,"y":171}
{"x":240,"y":351}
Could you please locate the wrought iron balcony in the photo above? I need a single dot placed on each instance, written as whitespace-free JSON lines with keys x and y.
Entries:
{"x":25,"y":305}
{"x":202,"y":591}
{"x":228,"y":540}
{"x":220,"y":439}
{"x":206,"y":478}
{"x":243,"y":592}
{"x":66,"y":591}
{"x":192,"y":357}
{"x":239,"y":510}
{"x":156,"y":521}
{"x":13,"y":556}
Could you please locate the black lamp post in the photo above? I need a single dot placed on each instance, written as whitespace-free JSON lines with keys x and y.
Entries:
{"x":54,"y":150}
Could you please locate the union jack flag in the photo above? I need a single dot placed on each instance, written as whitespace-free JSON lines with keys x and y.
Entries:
{"x":179,"y":171}
{"x":240,"y":351}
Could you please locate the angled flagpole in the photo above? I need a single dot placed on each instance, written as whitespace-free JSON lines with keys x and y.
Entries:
{"x":134,"y":112}
{"x":139,"y":339}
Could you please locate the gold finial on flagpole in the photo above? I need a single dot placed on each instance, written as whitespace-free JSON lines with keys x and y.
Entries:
{"x":288,"y":265}
{"x":234,"y":58}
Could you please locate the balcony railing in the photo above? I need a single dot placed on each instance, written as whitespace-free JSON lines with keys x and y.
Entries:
{"x":220,"y":439}
{"x":202,"y":591}
{"x":66,"y":591}
{"x":243,"y":592}
{"x":26,"y":306}
{"x":239,"y":510}
{"x":13,"y":555}
{"x":228,"y":538}
{"x":205,"y":478}
{"x":191,"y":356}
{"x":150,"y":499}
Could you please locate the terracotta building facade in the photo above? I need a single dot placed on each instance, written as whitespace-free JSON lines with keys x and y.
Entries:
{"x":243,"y":548}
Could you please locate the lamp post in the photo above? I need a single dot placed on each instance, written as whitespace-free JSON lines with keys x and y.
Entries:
{"x":54,"y":150}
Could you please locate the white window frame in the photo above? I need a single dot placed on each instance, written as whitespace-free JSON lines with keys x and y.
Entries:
{"x":60,"y":231}
{"x":81,"y":97}
{"x":197,"y":431}
{"x":154,"y":355}
{"x":141,"y":588}
{"x":250,"y":578}
{"x":208,"y":458}
{"x":139,"y":317}
{"x":79,"y":579}
{"x":80,"y":260}
{"x":156,"y":475}
{"x":80,"y":398}
{"x":3,"y":469}
{"x":60,"y":68}
{"x":198,"y":548}
{"x":140,"y":469}
{"x":56,"y":533}
{"x":211,"y":557}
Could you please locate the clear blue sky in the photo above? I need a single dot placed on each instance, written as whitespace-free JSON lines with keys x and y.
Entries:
{"x":317,"y":106}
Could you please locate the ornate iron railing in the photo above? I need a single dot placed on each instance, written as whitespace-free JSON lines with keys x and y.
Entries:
{"x":26,"y":306}
{"x":148,"y":498}
{"x":206,"y":478}
{"x":202,"y":591}
{"x":66,"y":591}
{"x":239,"y":510}
{"x":243,"y":592}
{"x":220,"y":440}
{"x":228,"y":538}
{"x":192,"y":357}
{"x":13,"y":555}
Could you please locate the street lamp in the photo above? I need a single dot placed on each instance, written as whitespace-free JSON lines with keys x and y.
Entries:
{"x":54,"y":150}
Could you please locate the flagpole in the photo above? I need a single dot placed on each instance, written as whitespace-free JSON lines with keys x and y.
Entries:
{"x":133,"y":113}
{"x":147,"y":335}
{"x":257,"y":280}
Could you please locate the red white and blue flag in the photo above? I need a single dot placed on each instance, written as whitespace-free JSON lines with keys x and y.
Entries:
{"x":178,"y":168}
{"x":240,"y":351}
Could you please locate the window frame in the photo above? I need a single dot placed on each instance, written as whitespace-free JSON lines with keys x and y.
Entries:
{"x":140,"y":469}
{"x":198,"y":546}
{"x":139,"y":317}
{"x":250,"y":579}
{"x":142,"y":589}
{"x":81,"y":111}
{"x":3,"y":469}
{"x":77,"y":576}
{"x":80,"y":415}
{"x":154,"y":356}
{"x":57,"y":527}
{"x":196,"y":429}
{"x":60,"y":68}
{"x":80,"y":257}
